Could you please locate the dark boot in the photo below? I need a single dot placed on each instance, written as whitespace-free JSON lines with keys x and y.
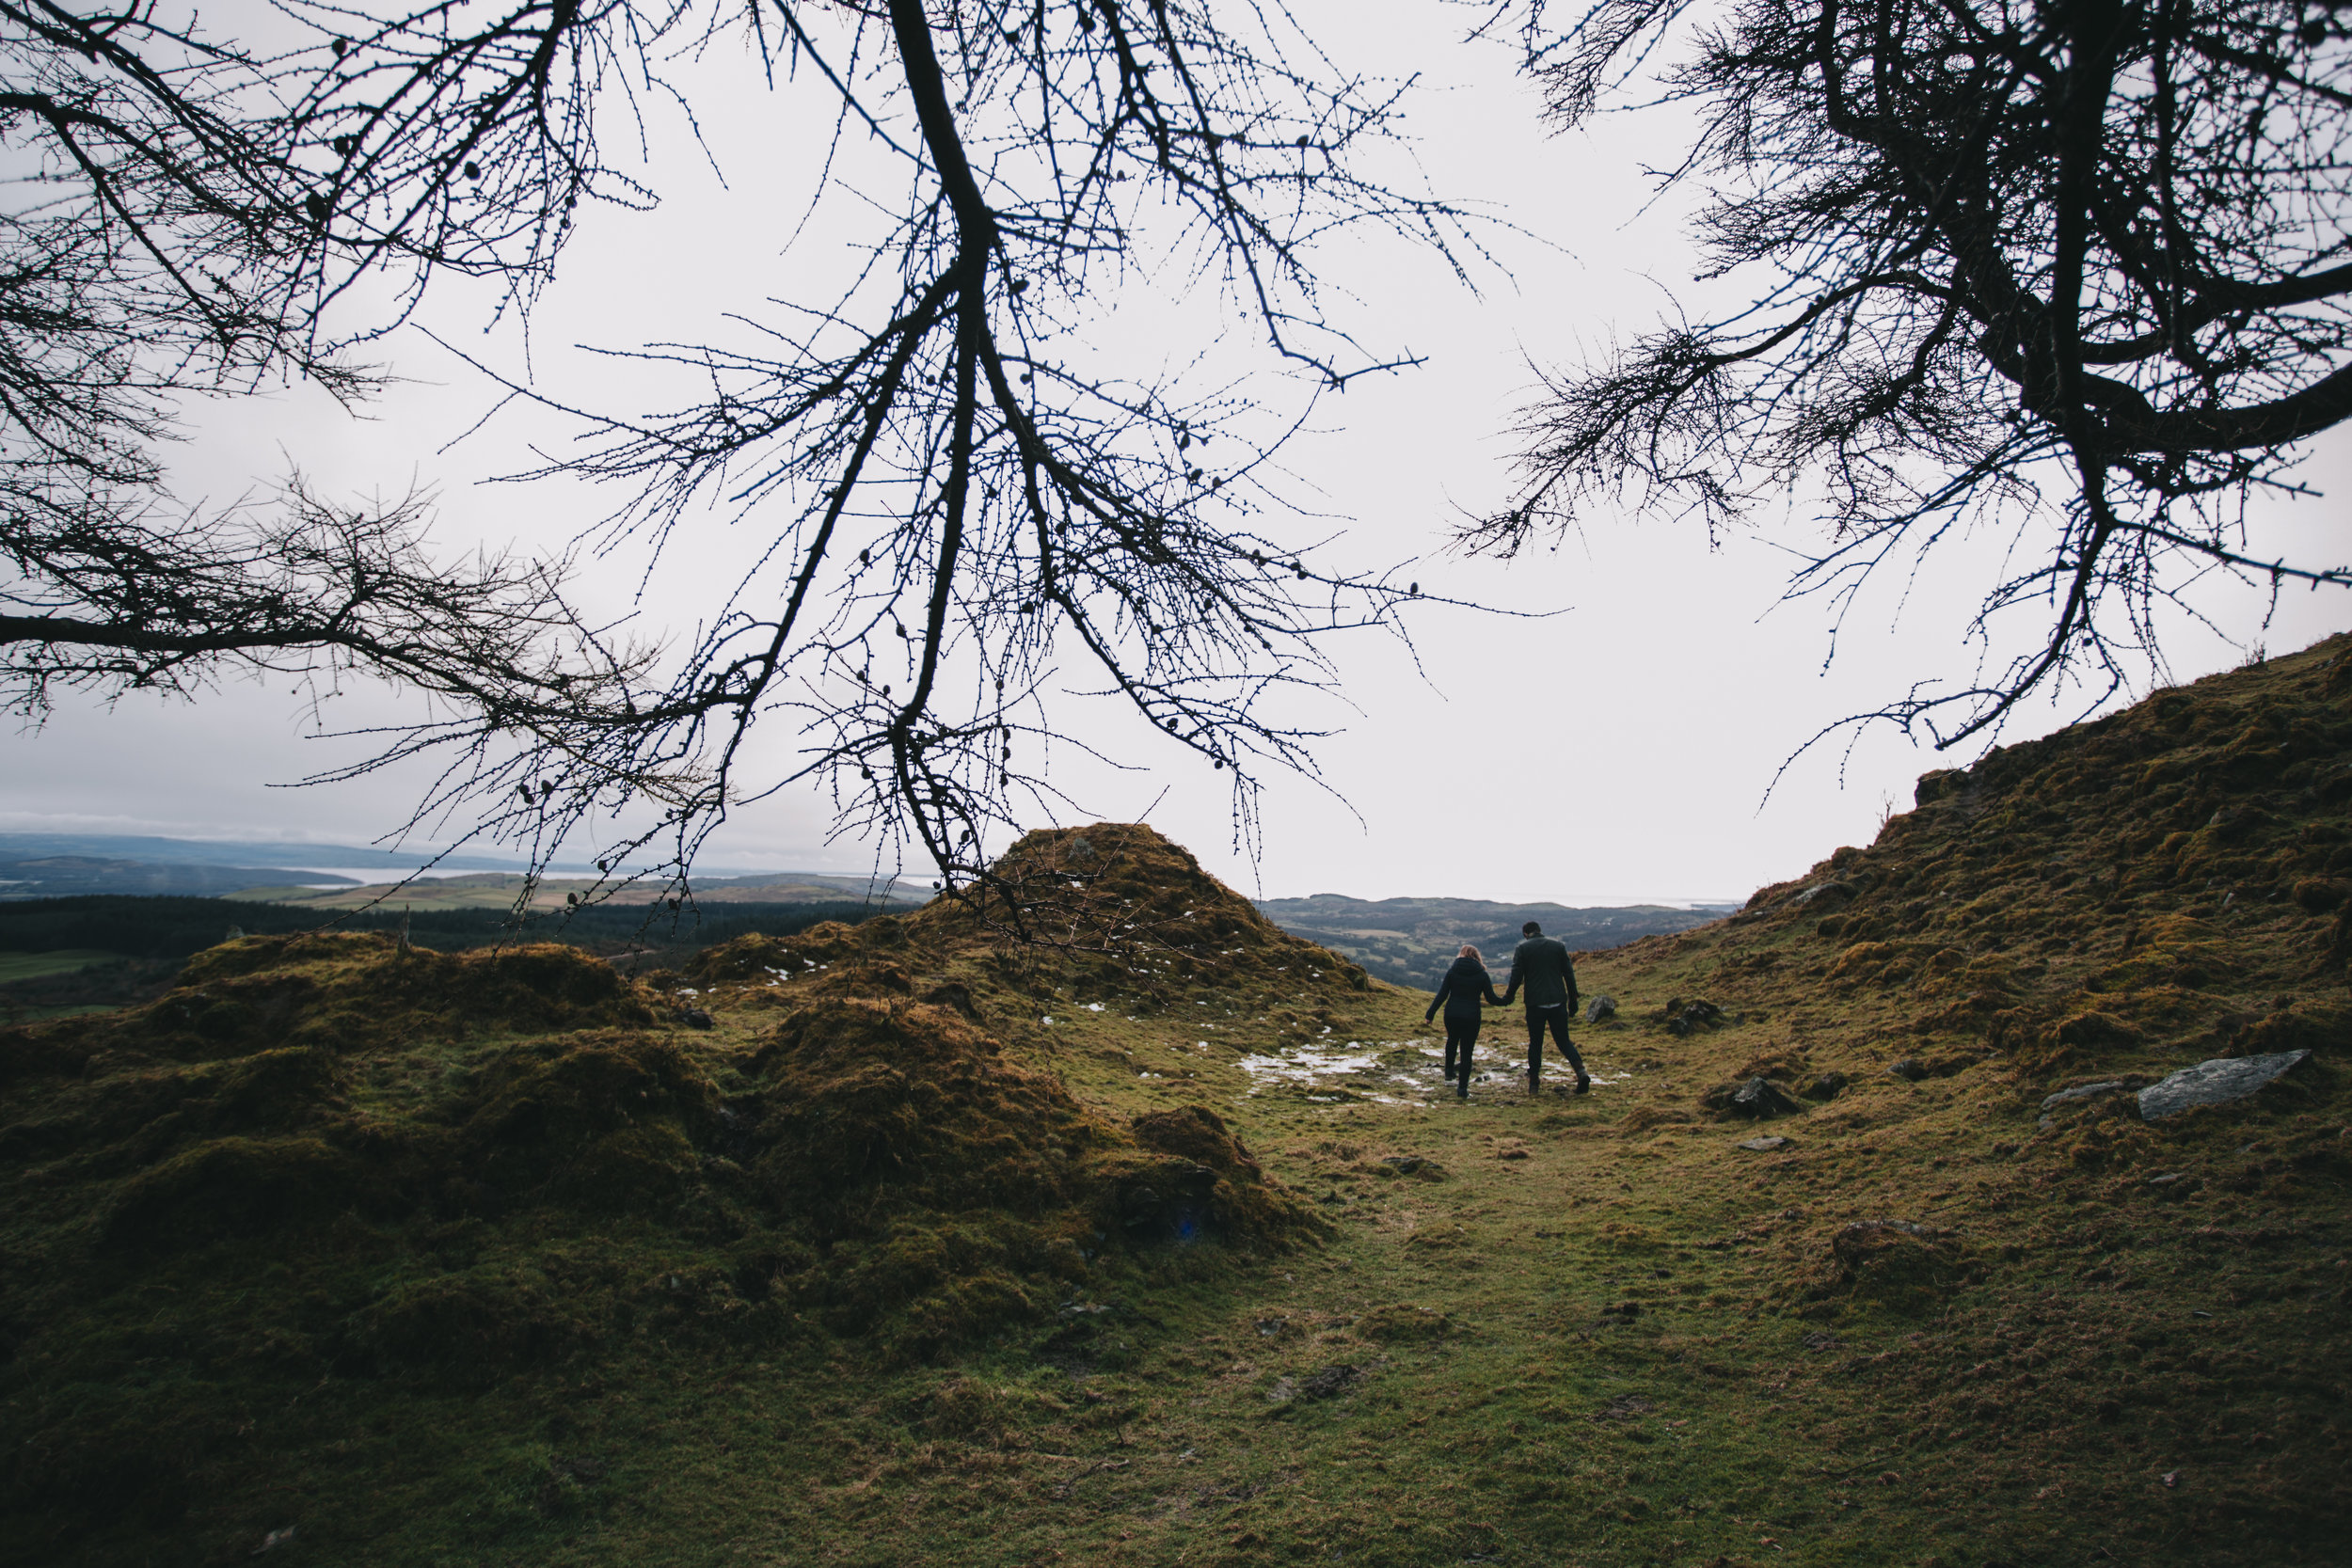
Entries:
{"x":1576,"y":1062}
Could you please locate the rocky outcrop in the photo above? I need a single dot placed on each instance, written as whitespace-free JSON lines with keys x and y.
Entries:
{"x":2214,"y":1083}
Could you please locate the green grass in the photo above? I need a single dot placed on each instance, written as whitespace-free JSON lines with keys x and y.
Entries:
{"x":1937,"y":1328}
{"x":35,"y":966}
{"x":1539,"y":1421}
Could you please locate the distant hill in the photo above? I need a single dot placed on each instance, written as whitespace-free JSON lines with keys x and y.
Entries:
{"x":73,"y":876}
{"x":244,"y":852}
{"x":1411,"y":940}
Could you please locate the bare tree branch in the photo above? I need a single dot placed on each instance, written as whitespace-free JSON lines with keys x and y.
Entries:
{"x":1958,"y":209}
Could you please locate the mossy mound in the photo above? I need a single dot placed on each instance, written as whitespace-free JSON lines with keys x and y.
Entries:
{"x":1106,"y":916}
{"x":451,"y":1168}
{"x":945,"y":1189}
{"x":1127,"y":904}
{"x":347,"y":992}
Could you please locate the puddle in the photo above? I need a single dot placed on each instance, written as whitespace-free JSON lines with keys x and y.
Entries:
{"x":1369,"y":1071}
{"x":1340,"y":1071}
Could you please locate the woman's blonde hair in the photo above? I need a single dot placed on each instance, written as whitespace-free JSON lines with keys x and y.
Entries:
{"x":1470,"y":952}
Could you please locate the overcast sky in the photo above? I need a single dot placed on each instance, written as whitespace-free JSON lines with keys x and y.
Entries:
{"x":1611,"y":740}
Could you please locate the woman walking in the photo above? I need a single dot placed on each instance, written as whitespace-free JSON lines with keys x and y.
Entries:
{"x":1465,"y":986}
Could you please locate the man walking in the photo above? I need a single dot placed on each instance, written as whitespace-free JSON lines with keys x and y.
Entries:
{"x":1543,"y":966}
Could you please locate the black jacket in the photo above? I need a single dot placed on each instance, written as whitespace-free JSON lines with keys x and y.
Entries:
{"x":1543,"y":966}
{"x":1459,"y":992}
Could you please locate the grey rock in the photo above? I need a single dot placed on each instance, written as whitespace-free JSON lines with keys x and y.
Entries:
{"x":1762,"y":1099}
{"x":1821,"y":893}
{"x":1600,"y":1008}
{"x":694,"y":1018}
{"x":2083,"y":1091}
{"x":1829,"y":1085}
{"x":1764,"y":1146}
{"x":1909,"y":1069}
{"x":2214,"y":1083}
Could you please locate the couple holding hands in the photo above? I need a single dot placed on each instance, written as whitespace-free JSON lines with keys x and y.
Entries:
{"x":1543,"y":966}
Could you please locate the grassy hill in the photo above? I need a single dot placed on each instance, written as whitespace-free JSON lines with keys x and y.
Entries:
{"x":1162,"y":1244}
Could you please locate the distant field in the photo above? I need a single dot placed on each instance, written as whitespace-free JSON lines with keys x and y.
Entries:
{"x":499,"y":890}
{"x":35,"y":966}
{"x":35,"y":1015}
{"x":491,"y":890}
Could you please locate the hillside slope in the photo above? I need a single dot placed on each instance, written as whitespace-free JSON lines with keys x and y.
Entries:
{"x":1161,"y":1243}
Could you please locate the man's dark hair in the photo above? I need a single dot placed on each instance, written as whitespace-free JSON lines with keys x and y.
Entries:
{"x":1531,"y":930}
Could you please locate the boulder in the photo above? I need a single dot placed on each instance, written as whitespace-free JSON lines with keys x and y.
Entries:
{"x":1909,"y":1069}
{"x":1764,"y":1146}
{"x":1600,"y":1008}
{"x":1762,"y":1099}
{"x":1829,"y":1085}
{"x":2214,"y":1083}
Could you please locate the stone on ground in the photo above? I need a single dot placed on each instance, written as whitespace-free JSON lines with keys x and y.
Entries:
{"x":2214,"y":1083}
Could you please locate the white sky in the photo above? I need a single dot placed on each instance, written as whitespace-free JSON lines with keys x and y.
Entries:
{"x":1618,"y":750}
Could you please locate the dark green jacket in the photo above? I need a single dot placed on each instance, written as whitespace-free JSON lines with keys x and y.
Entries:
{"x":1543,"y":966}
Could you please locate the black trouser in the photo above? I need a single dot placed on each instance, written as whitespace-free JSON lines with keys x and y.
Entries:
{"x":1461,"y":1033}
{"x":1558,"y":1018}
